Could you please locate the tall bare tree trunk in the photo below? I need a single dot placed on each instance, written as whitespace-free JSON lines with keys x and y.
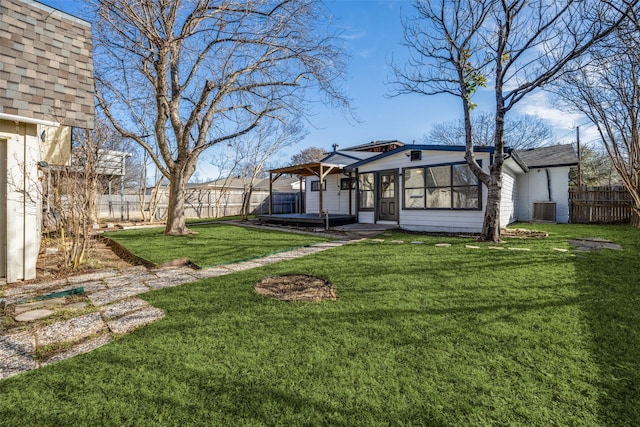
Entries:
{"x":178,"y":180}
{"x":491,"y":225}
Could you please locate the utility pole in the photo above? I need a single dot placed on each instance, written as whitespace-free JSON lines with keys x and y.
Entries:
{"x":579,"y":157}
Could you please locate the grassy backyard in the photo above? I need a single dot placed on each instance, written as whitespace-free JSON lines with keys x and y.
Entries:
{"x":210,"y":244}
{"x":419,"y":335}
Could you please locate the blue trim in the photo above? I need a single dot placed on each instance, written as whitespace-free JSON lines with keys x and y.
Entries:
{"x":458,"y":148}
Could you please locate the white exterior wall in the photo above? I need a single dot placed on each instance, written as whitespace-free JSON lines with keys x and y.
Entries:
{"x":334,"y":199}
{"x":21,"y":211}
{"x":532,"y":187}
{"x":509,"y":198}
{"x":429,"y":219}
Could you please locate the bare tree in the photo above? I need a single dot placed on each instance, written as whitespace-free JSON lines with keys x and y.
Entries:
{"x":308,"y":155}
{"x":518,"y":46}
{"x":258,"y":148}
{"x":70,"y":195}
{"x":520,"y":132}
{"x":596,"y":168}
{"x":204,"y":72}
{"x":607,"y":90}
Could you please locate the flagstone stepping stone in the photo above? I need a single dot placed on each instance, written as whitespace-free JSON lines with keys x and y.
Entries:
{"x":397,"y":241}
{"x":70,"y":330}
{"x":135,"y":320}
{"x":377,"y":240}
{"x":28,"y":316}
{"x":16,"y":354}
{"x":591,"y":244}
{"x":417,"y":242}
{"x":28,"y":306}
{"x":83,"y":347}
{"x":520,"y":249}
{"x":561,"y":249}
{"x":496,"y":247}
{"x":121,"y":308}
{"x":471,"y":247}
{"x":443,"y":245}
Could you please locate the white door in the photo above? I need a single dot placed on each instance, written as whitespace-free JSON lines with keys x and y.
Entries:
{"x":3,"y":208}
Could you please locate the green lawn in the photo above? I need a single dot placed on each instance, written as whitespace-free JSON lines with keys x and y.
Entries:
{"x":419,"y":335}
{"x":210,"y":245}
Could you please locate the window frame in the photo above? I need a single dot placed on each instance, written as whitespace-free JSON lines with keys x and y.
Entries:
{"x":316,"y":184}
{"x":348,"y":183}
{"x":451,"y":187}
{"x":372,"y":191}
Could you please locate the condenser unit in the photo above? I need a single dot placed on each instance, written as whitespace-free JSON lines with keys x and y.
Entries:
{"x":544,"y":211}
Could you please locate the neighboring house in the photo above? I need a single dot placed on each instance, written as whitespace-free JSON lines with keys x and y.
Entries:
{"x":431,"y":188}
{"x":284,"y":185}
{"x":46,"y":87}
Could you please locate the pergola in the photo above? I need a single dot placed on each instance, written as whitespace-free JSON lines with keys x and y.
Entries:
{"x":319,"y":169}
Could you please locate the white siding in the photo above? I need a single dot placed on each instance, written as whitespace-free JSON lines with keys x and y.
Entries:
{"x":533,"y":187}
{"x":509,"y":198}
{"x":429,"y":220}
{"x":21,"y":226}
{"x":334,"y":199}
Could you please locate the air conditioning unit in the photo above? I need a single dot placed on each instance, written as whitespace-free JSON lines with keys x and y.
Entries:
{"x":544,"y":212}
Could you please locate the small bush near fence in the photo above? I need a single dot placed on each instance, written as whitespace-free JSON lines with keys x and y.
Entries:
{"x":600,"y":205}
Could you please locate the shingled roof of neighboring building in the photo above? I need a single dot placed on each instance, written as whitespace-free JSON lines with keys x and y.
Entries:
{"x":557,"y":155}
{"x":47,"y":66}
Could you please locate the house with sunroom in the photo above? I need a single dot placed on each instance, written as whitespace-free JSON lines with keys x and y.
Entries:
{"x":431,"y":187}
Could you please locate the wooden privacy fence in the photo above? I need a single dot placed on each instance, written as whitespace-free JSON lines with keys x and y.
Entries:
{"x":198,"y":204}
{"x":599,"y":205}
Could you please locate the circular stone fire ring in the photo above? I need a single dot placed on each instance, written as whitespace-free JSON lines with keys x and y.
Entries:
{"x":296,"y":287}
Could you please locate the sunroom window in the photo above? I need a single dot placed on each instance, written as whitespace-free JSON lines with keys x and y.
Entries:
{"x":451,"y":186}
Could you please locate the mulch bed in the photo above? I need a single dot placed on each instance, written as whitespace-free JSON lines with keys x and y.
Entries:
{"x":523,"y":233}
{"x":296,"y":287}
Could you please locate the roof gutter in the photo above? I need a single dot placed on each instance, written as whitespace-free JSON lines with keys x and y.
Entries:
{"x":29,"y":120}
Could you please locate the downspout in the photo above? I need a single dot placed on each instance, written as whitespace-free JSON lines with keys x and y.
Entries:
{"x":548,"y":184}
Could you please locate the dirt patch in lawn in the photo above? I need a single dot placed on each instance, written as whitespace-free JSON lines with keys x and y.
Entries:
{"x":523,"y":233}
{"x":296,"y":287}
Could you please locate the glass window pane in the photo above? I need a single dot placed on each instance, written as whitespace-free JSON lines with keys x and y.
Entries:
{"x":414,"y":198}
{"x":466,"y":197}
{"x":462,"y":175}
{"x":387,"y":186}
{"x":366,"y":199}
{"x":439,"y":197}
{"x":439,"y":176}
{"x":366,"y":181}
{"x":414,"y":178}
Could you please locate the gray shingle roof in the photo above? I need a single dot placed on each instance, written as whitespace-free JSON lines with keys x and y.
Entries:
{"x":557,"y":155}
{"x":46,"y":69}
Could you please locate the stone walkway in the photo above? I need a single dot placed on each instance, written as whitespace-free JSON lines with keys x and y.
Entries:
{"x":112,"y":293}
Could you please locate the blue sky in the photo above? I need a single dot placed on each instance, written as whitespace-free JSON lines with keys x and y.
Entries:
{"x":372,"y":33}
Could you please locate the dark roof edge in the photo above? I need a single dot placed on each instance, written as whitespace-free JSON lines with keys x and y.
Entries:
{"x":559,"y":165}
{"x":518,"y":160}
{"x":413,"y":147}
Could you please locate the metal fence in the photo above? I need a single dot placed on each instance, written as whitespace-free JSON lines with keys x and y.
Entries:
{"x":198,"y":204}
{"x":600,"y":205}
